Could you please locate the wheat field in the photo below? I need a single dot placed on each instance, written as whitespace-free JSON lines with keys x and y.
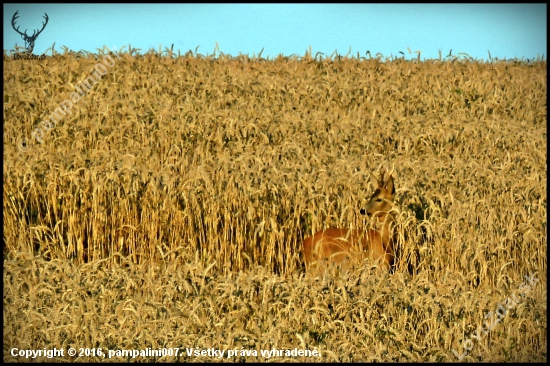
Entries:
{"x":157,"y":203}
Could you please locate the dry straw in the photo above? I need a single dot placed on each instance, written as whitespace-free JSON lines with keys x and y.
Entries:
{"x":169,"y":209}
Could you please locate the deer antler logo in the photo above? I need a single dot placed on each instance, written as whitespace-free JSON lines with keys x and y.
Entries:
{"x":29,"y":40}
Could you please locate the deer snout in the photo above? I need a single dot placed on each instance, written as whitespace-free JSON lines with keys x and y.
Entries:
{"x":364,"y":212}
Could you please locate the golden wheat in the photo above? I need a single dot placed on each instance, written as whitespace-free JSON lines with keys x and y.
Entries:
{"x":169,"y":207}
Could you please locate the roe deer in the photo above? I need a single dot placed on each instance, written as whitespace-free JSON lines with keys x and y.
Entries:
{"x":344,"y":247}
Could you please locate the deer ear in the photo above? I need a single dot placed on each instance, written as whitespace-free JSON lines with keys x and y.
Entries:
{"x":389,"y":185}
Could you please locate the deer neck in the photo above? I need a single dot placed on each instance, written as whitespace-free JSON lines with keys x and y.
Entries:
{"x":385,"y":228}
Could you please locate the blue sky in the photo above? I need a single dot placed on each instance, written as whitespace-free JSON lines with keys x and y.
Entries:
{"x":506,"y":30}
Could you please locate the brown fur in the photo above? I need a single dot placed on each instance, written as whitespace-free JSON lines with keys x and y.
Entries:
{"x":343,"y":248}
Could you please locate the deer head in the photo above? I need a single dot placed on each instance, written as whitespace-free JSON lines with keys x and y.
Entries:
{"x":29,"y":40}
